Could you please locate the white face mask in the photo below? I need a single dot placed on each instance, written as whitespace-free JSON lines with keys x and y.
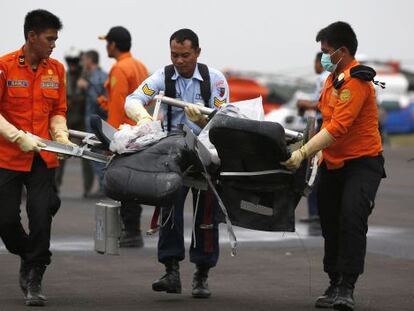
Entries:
{"x":326,"y":61}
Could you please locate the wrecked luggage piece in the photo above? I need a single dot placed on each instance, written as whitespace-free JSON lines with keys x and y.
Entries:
{"x":130,"y":138}
{"x":150,"y":176}
{"x":258,"y":192}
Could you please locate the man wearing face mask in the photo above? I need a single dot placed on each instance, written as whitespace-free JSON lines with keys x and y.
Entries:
{"x":352,"y":165}
{"x":192,"y":82}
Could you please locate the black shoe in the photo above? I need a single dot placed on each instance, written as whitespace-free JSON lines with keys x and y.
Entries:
{"x":328,"y":298}
{"x":131,"y":239}
{"x":344,"y":301}
{"x":170,"y":282}
{"x":23,"y":275}
{"x":200,"y":285}
{"x":34,"y":295}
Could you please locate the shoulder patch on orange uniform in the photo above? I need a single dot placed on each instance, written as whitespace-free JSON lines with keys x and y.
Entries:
{"x":345,"y":95}
{"x":113,"y":81}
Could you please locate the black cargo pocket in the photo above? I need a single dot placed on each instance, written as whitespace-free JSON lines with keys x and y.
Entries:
{"x":369,"y":192}
{"x":54,"y":201}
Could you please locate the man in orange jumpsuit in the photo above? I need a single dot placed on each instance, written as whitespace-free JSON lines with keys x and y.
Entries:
{"x":352,"y":165}
{"x":32,"y":101}
{"x":124,"y":78}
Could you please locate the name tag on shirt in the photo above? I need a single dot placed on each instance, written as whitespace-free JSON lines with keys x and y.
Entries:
{"x":49,"y":82}
{"x":17,"y":83}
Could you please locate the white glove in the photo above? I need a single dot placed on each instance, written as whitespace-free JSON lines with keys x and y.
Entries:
{"x":318,"y":142}
{"x":135,"y":110}
{"x":60,"y":133}
{"x":193,"y":113}
{"x":59,"y":130}
{"x":295,"y":159}
{"x":25,"y":141}
{"x":28,"y":143}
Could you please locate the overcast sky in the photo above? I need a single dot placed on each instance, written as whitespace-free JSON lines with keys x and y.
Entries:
{"x":261,"y":35}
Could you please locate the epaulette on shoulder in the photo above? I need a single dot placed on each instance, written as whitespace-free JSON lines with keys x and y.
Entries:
{"x":9,"y":57}
{"x":361,"y":72}
{"x":54,"y":61}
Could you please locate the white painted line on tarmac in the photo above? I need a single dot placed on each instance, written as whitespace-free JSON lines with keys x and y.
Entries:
{"x":72,"y":244}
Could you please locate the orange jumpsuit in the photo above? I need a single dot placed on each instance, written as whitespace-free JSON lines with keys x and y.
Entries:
{"x":350,"y":115}
{"x":28,"y":99}
{"x":350,"y":174}
{"x":124,"y":78}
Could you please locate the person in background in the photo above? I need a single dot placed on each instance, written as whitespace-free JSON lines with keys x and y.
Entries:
{"x":75,"y":115}
{"x":352,"y":166}
{"x":305,"y":106}
{"x":92,"y":84}
{"x":125,"y":76}
{"x":32,"y":101}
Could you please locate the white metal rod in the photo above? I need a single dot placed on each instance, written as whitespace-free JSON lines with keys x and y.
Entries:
{"x":182,"y":104}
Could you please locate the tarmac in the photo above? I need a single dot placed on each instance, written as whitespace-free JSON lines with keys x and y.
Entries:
{"x":271,"y":271}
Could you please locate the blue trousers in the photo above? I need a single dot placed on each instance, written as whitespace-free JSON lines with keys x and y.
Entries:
{"x":204,"y":249}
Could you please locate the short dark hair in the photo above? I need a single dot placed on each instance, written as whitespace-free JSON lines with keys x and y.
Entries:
{"x":93,"y":55}
{"x":337,"y":35}
{"x":185,"y":34}
{"x":40,"y":20}
{"x":121,"y":36}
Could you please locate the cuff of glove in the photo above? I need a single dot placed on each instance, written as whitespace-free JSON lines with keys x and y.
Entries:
{"x":144,"y":120}
{"x":19,"y":134}
{"x":60,"y":135}
{"x":304,"y":152}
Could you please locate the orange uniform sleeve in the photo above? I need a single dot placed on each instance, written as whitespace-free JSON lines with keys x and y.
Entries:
{"x":60,"y":106}
{"x":351,"y":98}
{"x":2,"y":81}
{"x":103,"y":102}
{"x":118,"y":93}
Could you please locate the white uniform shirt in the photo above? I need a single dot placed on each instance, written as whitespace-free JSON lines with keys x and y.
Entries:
{"x":320,"y":81}
{"x":186,"y":89}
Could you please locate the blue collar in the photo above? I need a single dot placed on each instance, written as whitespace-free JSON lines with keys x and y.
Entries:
{"x":196,"y":75}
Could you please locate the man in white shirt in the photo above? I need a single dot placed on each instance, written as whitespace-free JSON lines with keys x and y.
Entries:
{"x":196,"y":83}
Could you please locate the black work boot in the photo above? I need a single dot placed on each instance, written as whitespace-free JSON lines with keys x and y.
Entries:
{"x":170,"y":282}
{"x":328,"y":298}
{"x":23,"y":275}
{"x":131,"y":239}
{"x":200,"y":285}
{"x":34,"y":295}
{"x":344,"y":301}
